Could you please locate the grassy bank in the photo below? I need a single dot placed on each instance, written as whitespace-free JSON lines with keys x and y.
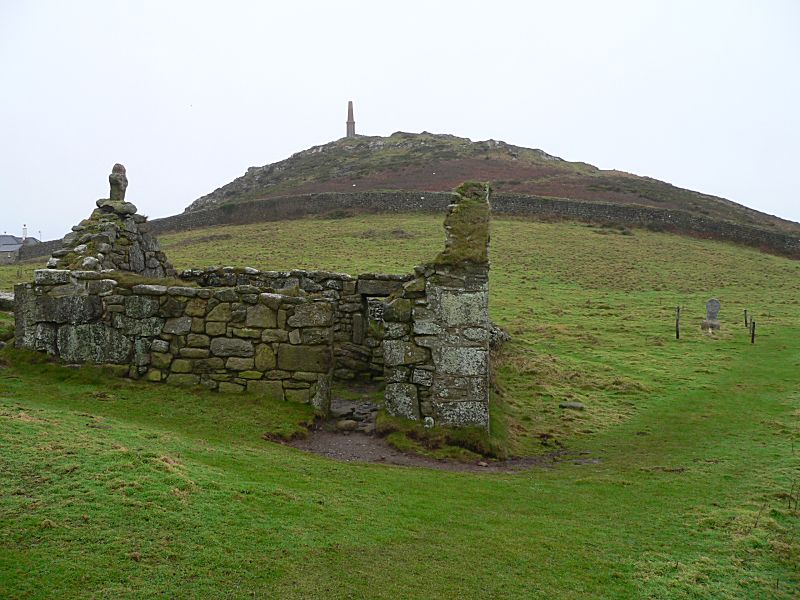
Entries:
{"x":117,"y":489}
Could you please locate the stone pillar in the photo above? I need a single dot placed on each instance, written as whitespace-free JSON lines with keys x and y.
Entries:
{"x":436,"y":346}
{"x":351,"y":124}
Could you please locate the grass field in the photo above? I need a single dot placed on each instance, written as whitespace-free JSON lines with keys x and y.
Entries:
{"x":110,"y":488}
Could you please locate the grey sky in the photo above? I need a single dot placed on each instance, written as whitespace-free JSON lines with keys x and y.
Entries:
{"x":187,"y":95}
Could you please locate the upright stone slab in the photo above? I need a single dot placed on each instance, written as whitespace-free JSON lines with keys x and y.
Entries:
{"x":711,"y":321}
{"x":436,"y":346}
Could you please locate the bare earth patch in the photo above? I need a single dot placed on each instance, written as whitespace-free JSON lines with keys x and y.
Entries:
{"x":359,"y":447}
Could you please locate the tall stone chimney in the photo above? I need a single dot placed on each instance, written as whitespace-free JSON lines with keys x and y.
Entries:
{"x":351,"y":124}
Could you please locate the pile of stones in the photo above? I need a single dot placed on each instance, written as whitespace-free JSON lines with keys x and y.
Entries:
{"x":114,"y":237}
{"x":352,"y":415}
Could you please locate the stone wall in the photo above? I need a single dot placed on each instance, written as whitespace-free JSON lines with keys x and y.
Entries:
{"x":437,"y":328}
{"x":229,"y":338}
{"x":38,"y":250}
{"x":357,"y":323}
{"x":293,"y":207}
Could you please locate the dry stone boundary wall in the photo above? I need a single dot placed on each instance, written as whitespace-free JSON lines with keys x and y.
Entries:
{"x":292,"y":207}
{"x":271,"y":209}
{"x":228,"y":339}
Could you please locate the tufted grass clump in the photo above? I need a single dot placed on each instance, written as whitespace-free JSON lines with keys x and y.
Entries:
{"x":128,"y":279}
{"x":461,"y":443}
{"x":6,"y":326}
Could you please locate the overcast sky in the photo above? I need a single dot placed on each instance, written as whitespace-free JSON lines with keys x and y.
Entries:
{"x":187,"y":95}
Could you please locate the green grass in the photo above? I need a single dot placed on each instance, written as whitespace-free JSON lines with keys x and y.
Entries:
{"x":116,"y":489}
{"x":6,"y":326}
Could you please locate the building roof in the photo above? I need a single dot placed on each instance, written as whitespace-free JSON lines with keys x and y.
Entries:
{"x":12,"y":243}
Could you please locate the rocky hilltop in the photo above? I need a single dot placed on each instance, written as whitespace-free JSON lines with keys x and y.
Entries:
{"x":434,"y":162}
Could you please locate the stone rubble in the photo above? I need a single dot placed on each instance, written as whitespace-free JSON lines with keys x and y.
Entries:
{"x":114,"y":237}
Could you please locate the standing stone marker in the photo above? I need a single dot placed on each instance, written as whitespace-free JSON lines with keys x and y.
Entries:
{"x":118,"y":182}
{"x":712,"y":310}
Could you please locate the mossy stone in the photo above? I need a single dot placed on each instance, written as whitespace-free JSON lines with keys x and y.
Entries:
{"x":265,"y":358}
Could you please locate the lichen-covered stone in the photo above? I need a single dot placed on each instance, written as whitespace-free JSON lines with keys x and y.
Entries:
{"x":178,"y":325}
{"x":265,"y":358}
{"x":251,"y":374}
{"x":181,"y":365}
{"x":401,"y":400}
{"x":183,"y":379}
{"x":377,"y":287}
{"x":246,"y":332}
{"x":50,"y":277}
{"x":208,"y":365}
{"x":118,"y":181}
{"x":221,"y":312}
{"x":262,"y":316}
{"x":149,"y":290}
{"x":400,"y":352}
{"x":463,"y":361}
{"x":147,"y":327}
{"x":312,"y":314}
{"x":462,"y":308}
{"x":321,"y":396}
{"x":160,"y":360}
{"x":198,"y":340}
{"x":215,"y":328}
{"x":237,"y":363}
{"x":397,"y":309}
{"x":172,"y":307}
{"x":274,"y":335}
{"x":160,"y":346}
{"x":196,"y":307}
{"x":139,"y":307}
{"x":304,"y":358}
{"x":461,"y":414}
{"x":93,"y":342}
{"x":185,"y":292}
{"x":231,"y":347}
{"x":315,"y":335}
{"x":68,"y":309}
{"x":422,"y":377}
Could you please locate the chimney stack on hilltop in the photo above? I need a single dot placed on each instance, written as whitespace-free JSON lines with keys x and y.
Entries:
{"x":351,"y":124}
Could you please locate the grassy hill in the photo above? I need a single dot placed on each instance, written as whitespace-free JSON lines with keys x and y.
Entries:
{"x":430,"y":162}
{"x":679,"y":480}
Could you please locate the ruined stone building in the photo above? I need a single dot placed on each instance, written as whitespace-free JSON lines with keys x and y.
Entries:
{"x":286,"y":335}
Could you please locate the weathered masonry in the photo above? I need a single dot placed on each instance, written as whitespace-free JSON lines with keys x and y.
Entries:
{"x":283,"y":335}
{"x":230,"y":339}
{"x":437,"y":328}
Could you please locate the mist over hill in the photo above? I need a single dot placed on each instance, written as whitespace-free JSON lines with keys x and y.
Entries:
{"x":440,"y":162}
